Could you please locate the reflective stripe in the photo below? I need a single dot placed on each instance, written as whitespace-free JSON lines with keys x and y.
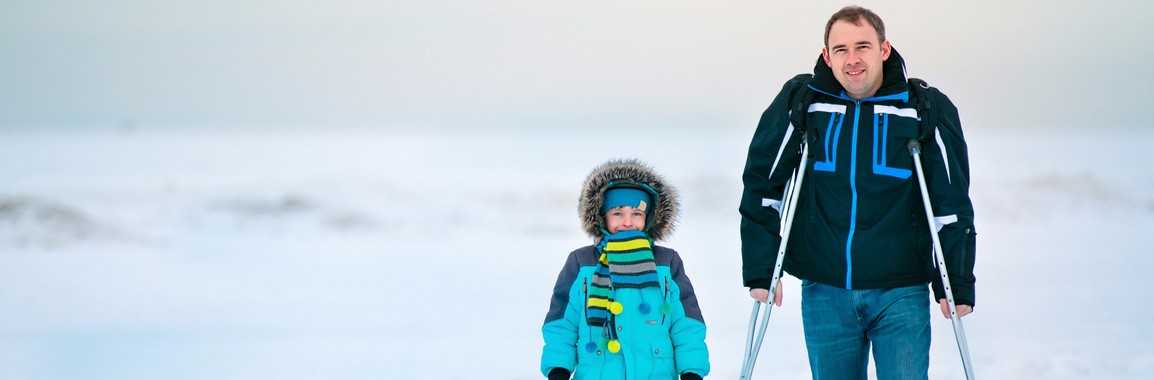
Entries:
{"x":780,"y":149}
{"x":904,"y":112}
{"x":945,"y":157}
{"x":776,"y":204}
{"x":942,"y":221}
{"x":826,"y":107}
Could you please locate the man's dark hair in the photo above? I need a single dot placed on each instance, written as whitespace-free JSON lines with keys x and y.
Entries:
{"x":854,"y":14}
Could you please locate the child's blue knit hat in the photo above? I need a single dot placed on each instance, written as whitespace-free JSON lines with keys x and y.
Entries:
{"x":625,"y":196}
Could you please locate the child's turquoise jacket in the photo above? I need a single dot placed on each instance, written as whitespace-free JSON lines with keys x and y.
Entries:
{"x":660,"y":330}
{"x":662,"y":344}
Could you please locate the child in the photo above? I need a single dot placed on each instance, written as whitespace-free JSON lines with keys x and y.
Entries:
{"x":624,"y":308}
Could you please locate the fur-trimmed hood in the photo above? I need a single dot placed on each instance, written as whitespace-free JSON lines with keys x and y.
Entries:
{"x":628,"y":173}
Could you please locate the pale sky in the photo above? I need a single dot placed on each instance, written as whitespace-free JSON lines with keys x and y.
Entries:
{"x":541,"y":64}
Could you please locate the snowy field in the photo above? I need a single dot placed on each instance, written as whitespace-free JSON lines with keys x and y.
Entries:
{"x":409,"y":255}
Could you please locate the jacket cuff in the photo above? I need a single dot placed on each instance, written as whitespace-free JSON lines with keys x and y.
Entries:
{"x":963,"y":295}
{"x":559,"y":374}
{"x":763,"y":283}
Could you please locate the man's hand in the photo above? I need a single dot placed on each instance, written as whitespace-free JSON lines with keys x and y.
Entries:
{"x":763,"y":294}
{"x":963,"y":310}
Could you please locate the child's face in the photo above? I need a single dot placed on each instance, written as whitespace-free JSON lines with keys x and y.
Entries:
{"x":624,"y":218}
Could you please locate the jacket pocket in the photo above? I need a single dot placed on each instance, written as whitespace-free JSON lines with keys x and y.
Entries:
{"x":892,"y":133}
{"x":589,"y":364}
{"x":825,"y":125}
{"x":664,"y":367}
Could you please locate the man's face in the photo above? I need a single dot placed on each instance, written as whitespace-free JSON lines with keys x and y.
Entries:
{"x":855,"y":55}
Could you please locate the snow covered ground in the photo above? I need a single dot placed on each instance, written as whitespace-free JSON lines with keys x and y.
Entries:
{"x":431,"y":255}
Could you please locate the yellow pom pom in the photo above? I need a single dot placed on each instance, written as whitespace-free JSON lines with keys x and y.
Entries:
{"x":616,"y":308}
{"x":614,"y":346}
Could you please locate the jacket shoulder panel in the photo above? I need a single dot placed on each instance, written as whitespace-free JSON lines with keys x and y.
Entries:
{"x":580,"y":257}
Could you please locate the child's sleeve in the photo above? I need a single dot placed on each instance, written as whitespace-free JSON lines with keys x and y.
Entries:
{"x":687,"y":330}
{"x":560,"y":328}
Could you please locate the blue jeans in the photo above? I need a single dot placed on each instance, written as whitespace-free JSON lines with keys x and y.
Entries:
{"x":841,"y":324}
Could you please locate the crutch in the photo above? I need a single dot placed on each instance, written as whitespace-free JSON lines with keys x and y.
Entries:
{"x":940,"y":258}
{"x":793,"y":187}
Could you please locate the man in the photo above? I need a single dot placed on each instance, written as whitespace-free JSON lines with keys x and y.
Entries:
{"x":859,"y":242}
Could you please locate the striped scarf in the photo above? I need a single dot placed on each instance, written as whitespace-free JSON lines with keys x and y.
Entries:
{"x":626,"y":262}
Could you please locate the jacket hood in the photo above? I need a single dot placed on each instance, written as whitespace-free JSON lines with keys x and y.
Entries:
{"x":893,"y":77}
{"x":659,"y":220}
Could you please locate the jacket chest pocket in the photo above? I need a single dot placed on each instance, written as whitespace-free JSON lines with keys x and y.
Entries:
{"x":826,"y":122}
{"x":893,"y":128}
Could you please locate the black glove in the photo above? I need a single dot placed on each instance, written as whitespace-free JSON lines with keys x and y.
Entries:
{"x":690,"y":376}
{"x":561,"y":374}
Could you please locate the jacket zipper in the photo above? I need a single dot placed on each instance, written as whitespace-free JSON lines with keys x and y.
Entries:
{"x":665,"y":299}
{"x":853,"y":196}
{"x":584,"y":298}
